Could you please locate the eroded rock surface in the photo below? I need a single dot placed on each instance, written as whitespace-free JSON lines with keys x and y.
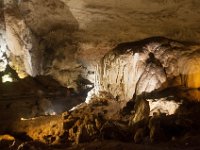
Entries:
{"x":3,"y":49}
{"x":67,"y":38}
{"x":38,"y":45}
{"x":102,"y":120}
{"x":139,"y":68}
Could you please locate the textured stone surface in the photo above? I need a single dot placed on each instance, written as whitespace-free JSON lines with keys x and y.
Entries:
{"x":103,"y":120}
{"x":139,"y":68}
{"x":142,"y":111}
{"x":103,"y":24}
{"x":21,"y":41}
{"x":163,"y":105}
{"x":37,"y":43}
{"x":75,"y":34}
{"x":54,"y":34}
{"x":3,"y":60}
{"x":68,"y":39}
{"x":136,"y":19}
{"x":44,"y":129}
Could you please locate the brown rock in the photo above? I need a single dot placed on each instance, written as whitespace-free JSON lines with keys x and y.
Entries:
{"x":6,"y":141}
{"x":67,"y":124}
{"x":142,"y":111}
{"x":139,"y":135}
{"x":156,"y":132}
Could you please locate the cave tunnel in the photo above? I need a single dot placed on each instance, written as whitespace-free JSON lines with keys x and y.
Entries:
{"x":92,"y":74}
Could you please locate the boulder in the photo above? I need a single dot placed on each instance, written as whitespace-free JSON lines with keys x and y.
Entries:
{"x":6,"y":141}
{"x":141,"y":115}
{"x":114,"y":130}
{"x":156,"y":132}
{"x":139,"y":135}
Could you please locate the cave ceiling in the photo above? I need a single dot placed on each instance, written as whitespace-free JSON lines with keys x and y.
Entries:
{"x":117,"y":20}
{"x":107,"y":23}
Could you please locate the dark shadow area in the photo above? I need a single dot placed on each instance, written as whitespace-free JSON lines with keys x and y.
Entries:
{"x":137,"y":46}
{"x":35,"y":96}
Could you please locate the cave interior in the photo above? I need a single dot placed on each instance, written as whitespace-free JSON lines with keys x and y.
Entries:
{"x":91,"y":74}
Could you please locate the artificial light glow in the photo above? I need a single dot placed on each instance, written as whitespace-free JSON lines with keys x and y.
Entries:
{"x":7,"y":78}
{"x":33,"y":118}
{"x":22,"y":75}
{"x":7,"y":137}
{"x":50,"y":112}
{"x":162,"y":105}
{"x":23,"y":119}
{"x":76,"y":107}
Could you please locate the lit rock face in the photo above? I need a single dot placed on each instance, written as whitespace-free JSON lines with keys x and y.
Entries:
{"x":146,"y":66}
{"x":163,"y":105}
{"x":3,"y":60}
{"x":42,"y":39}
{"x":54,"y":25}
{"x":44,"y":129}
{"x":21,"y":42}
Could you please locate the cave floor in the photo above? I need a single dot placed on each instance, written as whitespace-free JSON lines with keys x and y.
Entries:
{"x":17,"y":100}
{"x":189,"y":144}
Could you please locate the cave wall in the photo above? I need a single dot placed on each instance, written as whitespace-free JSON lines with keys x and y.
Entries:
{"x":22,"y":44}
{"x":153,"y":64}
{"x":38,"y":40}
{"x":3,"y":60}
{"x":68,"y":38}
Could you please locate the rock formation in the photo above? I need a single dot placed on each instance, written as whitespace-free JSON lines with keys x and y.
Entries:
{"x":3,"y":60}
{"x":35,"y":43}
{"x":143,"y":67}
{"x":143,"y":92}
